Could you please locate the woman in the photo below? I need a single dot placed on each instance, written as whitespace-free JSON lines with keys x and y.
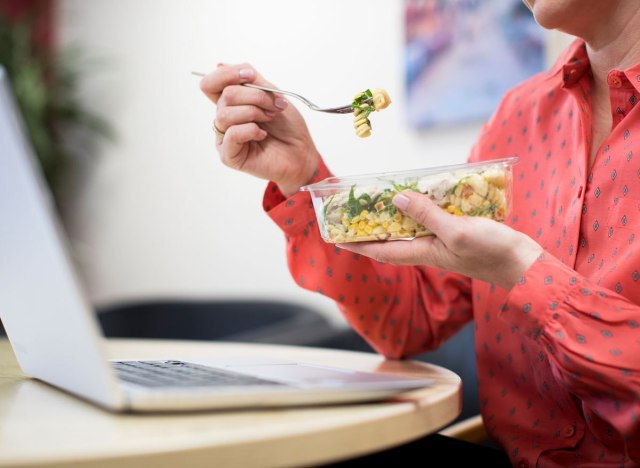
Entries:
{"x":554,"y":291}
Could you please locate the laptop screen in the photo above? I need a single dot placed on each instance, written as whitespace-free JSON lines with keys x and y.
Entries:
{"x":44,"y":310}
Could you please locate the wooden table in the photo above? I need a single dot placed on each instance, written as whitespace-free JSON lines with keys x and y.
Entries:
{"x":42,"y":426}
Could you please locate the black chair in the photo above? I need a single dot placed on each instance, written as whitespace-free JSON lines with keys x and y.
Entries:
{"x":261,"y":321}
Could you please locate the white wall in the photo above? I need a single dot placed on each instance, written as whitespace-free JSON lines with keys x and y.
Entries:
{"x":159,"y":215}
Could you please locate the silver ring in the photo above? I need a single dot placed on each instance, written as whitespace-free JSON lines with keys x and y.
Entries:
{"x":218,"y":132}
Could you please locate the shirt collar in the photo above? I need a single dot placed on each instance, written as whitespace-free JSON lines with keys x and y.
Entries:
{"x":574,"y":63}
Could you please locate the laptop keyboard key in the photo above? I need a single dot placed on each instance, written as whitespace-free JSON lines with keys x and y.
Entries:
{"x":182,"y":374}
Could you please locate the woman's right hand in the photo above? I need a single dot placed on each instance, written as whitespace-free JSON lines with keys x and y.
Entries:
{"x":264,"y":135}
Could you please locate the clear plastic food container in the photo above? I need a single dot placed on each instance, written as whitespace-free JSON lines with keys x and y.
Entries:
{"x":359,"y":208}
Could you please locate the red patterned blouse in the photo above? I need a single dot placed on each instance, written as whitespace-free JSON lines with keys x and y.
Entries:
{"x":558,"y":356}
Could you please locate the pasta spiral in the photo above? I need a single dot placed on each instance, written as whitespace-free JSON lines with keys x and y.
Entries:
{"x":361,"y":123}
{"x":364,"y":104}
{"x":381,"y":98}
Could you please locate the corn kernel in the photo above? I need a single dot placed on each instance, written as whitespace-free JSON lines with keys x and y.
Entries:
{"x":408,"y":223}
{"x":454,"y":210}
{"x":394,"y":227}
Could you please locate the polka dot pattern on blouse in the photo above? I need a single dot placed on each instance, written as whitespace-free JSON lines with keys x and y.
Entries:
{"x":558,"y":356}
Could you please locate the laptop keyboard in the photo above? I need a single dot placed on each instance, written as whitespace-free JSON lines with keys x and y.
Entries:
{"x":182,"y":374}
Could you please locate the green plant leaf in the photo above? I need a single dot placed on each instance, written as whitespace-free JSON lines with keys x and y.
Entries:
{"x":45,"y":84}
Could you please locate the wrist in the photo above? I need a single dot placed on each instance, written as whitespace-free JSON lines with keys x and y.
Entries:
{"x":312,"y":171}
{"x":524,"y":253}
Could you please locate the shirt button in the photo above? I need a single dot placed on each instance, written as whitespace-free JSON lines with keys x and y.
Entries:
{"x":613,"y":79}
{"x":523,"y":463}
{"x":569,"y":431}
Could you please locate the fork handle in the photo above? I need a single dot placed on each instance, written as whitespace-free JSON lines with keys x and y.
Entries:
{"x":271,"y":90}
{"x":280,"y":91}
{"x":334,"y":110}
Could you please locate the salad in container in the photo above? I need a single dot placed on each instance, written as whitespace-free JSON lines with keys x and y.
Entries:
{"x":359,"y":208}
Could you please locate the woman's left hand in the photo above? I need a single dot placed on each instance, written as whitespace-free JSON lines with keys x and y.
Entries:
{"x":477,"y":247}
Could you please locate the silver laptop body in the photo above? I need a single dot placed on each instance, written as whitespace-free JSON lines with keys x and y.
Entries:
{"x":55,"y":334}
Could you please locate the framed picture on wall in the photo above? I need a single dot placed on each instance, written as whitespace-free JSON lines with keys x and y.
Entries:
{"x":462,"y":55}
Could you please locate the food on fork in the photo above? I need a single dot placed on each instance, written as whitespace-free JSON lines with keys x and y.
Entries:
{"x":364,"y":104}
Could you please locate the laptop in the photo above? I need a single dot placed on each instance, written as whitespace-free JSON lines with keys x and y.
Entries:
{"x":56,"y":337}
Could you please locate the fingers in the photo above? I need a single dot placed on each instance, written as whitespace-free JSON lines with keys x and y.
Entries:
{"x":212,"y":84}
{"x":231,"y":145}
{"x":397,"y":252}
{"x":457,"y":233}
{"x":223,"y":83}
{"x":426,"y":212}
{"x":375,"y":250}
{"x":448,"y":230}
{"x":422,"y":209}
{"x":236,"y":104}
{"x":226,"y":117}
{"x":243,"y":95}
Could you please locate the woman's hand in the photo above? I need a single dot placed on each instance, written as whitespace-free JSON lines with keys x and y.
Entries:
{"x":263,"y":135}
{"x":473,"y":246}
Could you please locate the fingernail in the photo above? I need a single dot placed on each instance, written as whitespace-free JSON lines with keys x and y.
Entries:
{"x":269,"y":113}
{"x":246,"y":73}
{"x":281,"y":103}
{"x":401,"y":201}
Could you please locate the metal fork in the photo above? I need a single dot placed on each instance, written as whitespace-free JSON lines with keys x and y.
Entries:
{"x":348,"y":109}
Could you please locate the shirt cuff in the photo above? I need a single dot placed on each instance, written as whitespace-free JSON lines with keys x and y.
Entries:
{"x":294,"y":215}
{"x":539,"y":295}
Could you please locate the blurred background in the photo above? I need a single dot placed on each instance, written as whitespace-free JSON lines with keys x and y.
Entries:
{"x":156,"y":223}
{"x":149,"y":207}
